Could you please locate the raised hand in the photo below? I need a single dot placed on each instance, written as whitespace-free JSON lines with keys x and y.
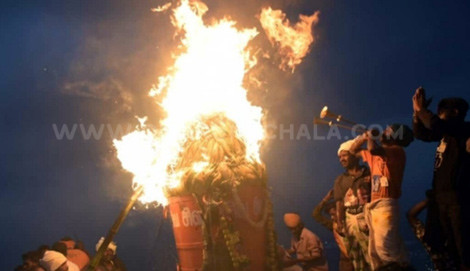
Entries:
{"x":419,"y":99}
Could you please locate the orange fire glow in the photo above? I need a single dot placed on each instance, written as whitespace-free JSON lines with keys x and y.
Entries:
{"x":205,"y":80}
{"x":293,"y":42}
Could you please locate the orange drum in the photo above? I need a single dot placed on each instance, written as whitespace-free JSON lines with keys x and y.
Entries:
{"x":187,"y":229}
{"x":250,"y":214}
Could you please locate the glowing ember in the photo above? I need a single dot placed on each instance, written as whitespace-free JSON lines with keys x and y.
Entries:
{"x":293,"y":42}
{"x":206,"y":80}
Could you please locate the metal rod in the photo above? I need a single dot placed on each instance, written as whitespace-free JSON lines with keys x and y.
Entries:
{"x":358,"y":129}
{"x":340,"y":118}
{"x":331,"y":123}
{"x":325,"y":112}
{"x":114,"y":229}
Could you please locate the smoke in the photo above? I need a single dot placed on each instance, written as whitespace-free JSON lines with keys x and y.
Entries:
{"x":118,"y":62}
{"x":110,"y":89}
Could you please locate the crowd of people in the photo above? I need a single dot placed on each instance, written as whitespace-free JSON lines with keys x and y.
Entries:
{"x":362,"y":207}
{"x":69,"y":255}
{"x":362,"y":210}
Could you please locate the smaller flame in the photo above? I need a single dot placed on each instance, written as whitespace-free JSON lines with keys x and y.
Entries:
{"x":293,"y":41}
{"x":324,"y":112}
{"x":162,"y":8}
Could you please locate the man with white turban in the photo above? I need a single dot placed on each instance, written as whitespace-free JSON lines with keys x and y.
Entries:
{"x":351,"y":191}
{"x":56,"y":261}
{"x":308,"y":248}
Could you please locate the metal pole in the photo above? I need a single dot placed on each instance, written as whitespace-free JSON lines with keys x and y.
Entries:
{"x":114,"y":229}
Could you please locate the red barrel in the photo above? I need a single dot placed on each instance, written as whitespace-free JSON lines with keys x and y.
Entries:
{"x":187,"y":229}
{"x":250,"y":221}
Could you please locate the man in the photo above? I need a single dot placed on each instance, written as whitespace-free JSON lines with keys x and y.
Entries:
{"x":31,"y":261}
{"x":74,"y":254}
{"x":349,"y":206}
{"x":328,"y":207}
{"x":285,"y":260}
{"x":306,"y":245}
{"x":110,"y":261}
{"x":451,"y":167}
{"x":429,"y":233}
{"x":464,"y":200}
{"x":387,"y":164}
{"x":56,"y":261}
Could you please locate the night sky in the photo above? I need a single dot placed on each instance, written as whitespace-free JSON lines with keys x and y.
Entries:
{"x":92,"y":62}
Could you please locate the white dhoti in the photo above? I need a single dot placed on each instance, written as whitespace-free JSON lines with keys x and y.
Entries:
{"x":385,"y":243}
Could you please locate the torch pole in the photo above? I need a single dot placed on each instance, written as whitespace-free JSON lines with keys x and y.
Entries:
{"x":114,"y":229}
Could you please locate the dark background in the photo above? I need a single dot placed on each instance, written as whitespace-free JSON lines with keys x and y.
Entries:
{"x":93,"y":62}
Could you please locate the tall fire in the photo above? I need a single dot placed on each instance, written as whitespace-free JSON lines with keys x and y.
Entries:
{"x":205,"y":161}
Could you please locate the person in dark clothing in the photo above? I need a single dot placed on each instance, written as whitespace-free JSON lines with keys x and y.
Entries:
{"x":463,"y":188}
{"x":448,"y":127}
{"x":31,"y":261}
{"x":326,"y":206}
{"x":429,"y":233}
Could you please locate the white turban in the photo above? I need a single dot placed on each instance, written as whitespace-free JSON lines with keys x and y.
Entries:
{"x":292,"y":220}
{"x":346,"y":146}
{"x":111,"y":245}
{"x":52,"y":260}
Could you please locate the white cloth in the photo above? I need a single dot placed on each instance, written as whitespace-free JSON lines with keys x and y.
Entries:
{"x":72,"y":266}
{"x":345,"y":146}
{"x":52,"y":260}
{"x":385,"y":243}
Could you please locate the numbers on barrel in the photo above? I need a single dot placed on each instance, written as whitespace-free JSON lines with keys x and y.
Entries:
{"x":191,"y":218}
{"x":175,"y":218}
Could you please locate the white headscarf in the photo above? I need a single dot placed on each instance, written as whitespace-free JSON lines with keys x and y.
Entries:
{"x":346,"y":146}
{"x":52,"y":260}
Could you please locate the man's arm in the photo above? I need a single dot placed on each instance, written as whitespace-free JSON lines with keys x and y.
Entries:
{"x":338,"y":196}
{"x":372,"y":145}
{"x":314,"y":248}
{"x":317,"y":212}
{"x":412,"y":214}
{"x":422,"y":133}
{"x":340,"y":217}
{"x":357,"y":144}
{"x":427,"y":126}
{"x":291,"y":249}
{"x":422,"y":117}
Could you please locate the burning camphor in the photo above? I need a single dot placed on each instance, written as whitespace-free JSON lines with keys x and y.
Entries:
{"x":205,"y":80}
{"x":209,"y":142}
{"x":204,"y":83}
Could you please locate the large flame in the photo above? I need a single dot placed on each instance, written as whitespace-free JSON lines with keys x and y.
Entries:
{"x":293,"y":42}
{"x":206,"y":80}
